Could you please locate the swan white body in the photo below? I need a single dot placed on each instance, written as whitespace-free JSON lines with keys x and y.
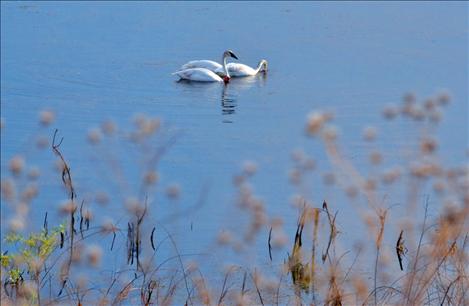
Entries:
{"x":207,"y":64}
{"x":242,"y":70}
{"x":203,"y":74}
{"x":198,"y":75}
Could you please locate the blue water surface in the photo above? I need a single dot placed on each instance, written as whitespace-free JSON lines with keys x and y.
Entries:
{"x":90,"y":62}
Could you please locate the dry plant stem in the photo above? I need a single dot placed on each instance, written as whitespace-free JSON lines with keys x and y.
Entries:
{"x":67,"y":180}
{"x":379,"y":239}
{"x":269,"y":245}
{"x":313,"y":252}
{"x":333,"y":230}
{"x":277,"y":294}
{"x":417,"y":255}
{"x":200,"y":202}
{"x":138,"y":238}
{"x":223,"y":290}
{"x":430,"y":277}
{"x":180,"y":262}
{"x":447,"y":289}
{"x":254,"y":280}
{"x":349,"y":170}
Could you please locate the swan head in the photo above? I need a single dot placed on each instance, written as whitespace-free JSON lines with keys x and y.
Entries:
{"x":263,"y":64}
{"x":229,"y":53}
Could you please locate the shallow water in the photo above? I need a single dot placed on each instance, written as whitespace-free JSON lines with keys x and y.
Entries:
{"x":93,"y":62}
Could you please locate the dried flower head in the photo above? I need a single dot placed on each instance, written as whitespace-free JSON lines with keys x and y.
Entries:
{"x":295,"y":176}
{"x":409,"y":98}
{"x":30,"y":192}
{"x":67,"y":207}
{"x":16,"y":224}
{"x":298,"y":155}
{"x":46,"y":117}
{"x":351,"y":191}
{"x":435,"y":116}
{"x":429,"y":104}
{"x":173,"y":191}
{"x":330,"y":133}
{"x":94,"y":254}
{"x":425,"y":169}
{"x":315,"y":122}
{"x":108,"y":127}
{"x":328,"y":178}
{"x":391,"y":175}
{"x":133,"y":205}
{"x":369,"y":133}
{"x":224,"y":237}
{"x":370,"y":184}
{"x":101,"y":197}
{"x":309,"y":164}
{"x":249,"y":167}
{"x":376,"y":157}
{"x":390,"y":112}
{"x":439,"y":186}
{"x":8,"y":189}
{"x":42,"y":142}
{"x":34,"y":173}
{"x":17,"y":164}
{"x":443,"y":98}
{"x":108,"y":226}
{"x":94,"y":136}
{"x":276,"y":223}
{"x":428,"y":145}
{"x":279,"y":240}
{"x":150,"y":126}
{"x":151,"y":177}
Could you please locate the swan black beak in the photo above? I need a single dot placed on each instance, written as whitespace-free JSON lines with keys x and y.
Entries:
{"x":233,"y":55}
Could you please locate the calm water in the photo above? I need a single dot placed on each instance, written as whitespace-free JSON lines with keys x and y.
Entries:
{"x":95,"y":61}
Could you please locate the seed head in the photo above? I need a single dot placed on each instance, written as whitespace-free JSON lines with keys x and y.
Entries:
{"x":369,"y":133}
{"x":46,"y":117}
{"x":17,"y":164}
{"x":173,"y":191}
{"x":94,"y":254}
{"x":94,"y":136}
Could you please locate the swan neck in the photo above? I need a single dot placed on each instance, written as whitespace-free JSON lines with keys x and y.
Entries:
{"x":224,"y":66}
{"x":259,"y":67}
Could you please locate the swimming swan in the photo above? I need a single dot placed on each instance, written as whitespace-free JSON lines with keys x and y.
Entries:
{"x":241,"y":70}
{"x":207,"y":64}
{"x":201,"y":74}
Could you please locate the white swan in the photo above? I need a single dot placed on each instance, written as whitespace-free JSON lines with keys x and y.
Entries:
{"x":241,"y":70}
{"x":207,"y":64}
{"x":200,"y":74}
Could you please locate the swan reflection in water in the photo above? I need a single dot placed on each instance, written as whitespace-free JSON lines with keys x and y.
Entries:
{"x":229,"y":92}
